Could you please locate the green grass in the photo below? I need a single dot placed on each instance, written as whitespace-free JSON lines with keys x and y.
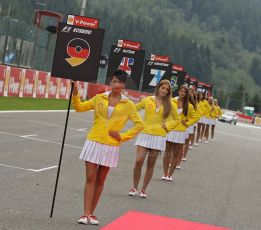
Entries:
{"x":15,"y":103}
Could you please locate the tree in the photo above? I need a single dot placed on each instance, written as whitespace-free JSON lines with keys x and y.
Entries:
{"x":255,"y":70}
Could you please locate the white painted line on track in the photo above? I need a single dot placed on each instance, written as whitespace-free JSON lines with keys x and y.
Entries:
{"x":38,"y":139}
{"x":83,"y":130}
{"x":240,"y":136}
{"x":35,"y":111}
{"x":248,"y":126}
{"x":31,"y":170}
{"x":10,"y":166}
{"x":31,"y":135}
{"x":44,"y":169}
{"x":38,"y":111}
{"x":55,"y":125}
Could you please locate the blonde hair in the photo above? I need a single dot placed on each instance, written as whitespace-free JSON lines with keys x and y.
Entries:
{"x":166,"y":100}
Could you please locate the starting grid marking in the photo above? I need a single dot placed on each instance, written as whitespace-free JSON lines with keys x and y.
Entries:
{"x":33,"y":137}
{"x":31,"y":170}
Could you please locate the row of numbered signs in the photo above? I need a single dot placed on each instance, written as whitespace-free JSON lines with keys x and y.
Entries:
{"x":78,"y":53}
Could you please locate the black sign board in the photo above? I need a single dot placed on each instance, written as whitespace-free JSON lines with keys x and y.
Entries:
{"x":154,"y":72}
{"x":177,"y":80}
{"x":193,"y":82}
{"x":77,"y":53}
{"x":128,"y":60}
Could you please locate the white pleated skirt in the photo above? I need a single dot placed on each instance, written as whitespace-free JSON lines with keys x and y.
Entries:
{"x":187,"y":133}
{"x":196,"y":124}
{"x":176,"y":137}
{"x":208,"y":121}
{"x":213,"y":121}
{"x":100,"y":154}
{"x":151,"y":141}
{"x":191,"y":129}
{"x":202,"y":120}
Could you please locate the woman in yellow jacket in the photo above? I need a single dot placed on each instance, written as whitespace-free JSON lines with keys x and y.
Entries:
{"x":176,"y":137}
{"x":152,"y":140}
{"x":209,"y":117}
{"x":200,"y":124}
{"x":190,"y":130}
{"x":194,"y":101}
{"x":112,"y":110}
{"x":216,"y":115}
{"x":205,"y":107}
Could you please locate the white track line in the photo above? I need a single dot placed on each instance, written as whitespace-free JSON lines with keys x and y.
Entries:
{"x":55,"y":125}
{"x":38,"y":139}
{"x":44,"y":169}
{"x":248,"y":126}
{"x":31,"y":135}
{"x":31,"y":170}
{"x":35,"y":111}
{"x":236,"y":135}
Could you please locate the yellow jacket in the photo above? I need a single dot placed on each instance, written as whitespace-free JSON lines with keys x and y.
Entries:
{"x":198,"y":112}
{"x":153,"y":120}
{"x":219,"y":111}
{"x":213,"y":112}
{"x":190,"y":119}
{"x":205,"y":107}
{"x":199,"y":109}
{"x":102,"y":125}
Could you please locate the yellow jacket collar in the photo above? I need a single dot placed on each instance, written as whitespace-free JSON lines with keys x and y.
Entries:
{"x":123,"y":97}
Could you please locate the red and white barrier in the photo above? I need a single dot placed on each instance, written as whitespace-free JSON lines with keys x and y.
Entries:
{"x":19,"y":82}
{"x":244,"y":118}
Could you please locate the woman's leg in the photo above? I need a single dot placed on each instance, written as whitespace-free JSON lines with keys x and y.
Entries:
{"x":186,"y":147}
{"x":192,"y":137}
{"x":152,"y":158}
{"x":167,"y":158}
{"x":176,"y":150}
{"x":212,"y":131}
{"x":203,"y":126}
{"x":140,"y":157}
{"x":91,"y":174}
{"x":207,"y":132}
{"x":198,"y":132}
{"x":100,"y":180}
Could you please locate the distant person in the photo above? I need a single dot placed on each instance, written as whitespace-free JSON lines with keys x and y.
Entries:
{"x":217,"y":114}
{"x":112,"y":110}
{"x":190,"y":130}
{"x":210,"y":115}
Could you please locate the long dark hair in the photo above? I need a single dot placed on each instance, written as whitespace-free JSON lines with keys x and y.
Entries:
{"x":201,"y":93}
{"x":192,"y":97}
{"x":192,"y":101}
{"x":196,"y":97}
{"x":185,"y":100}
{"x":166,"y":100}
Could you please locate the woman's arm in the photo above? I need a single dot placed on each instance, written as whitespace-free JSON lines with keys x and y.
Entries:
{"x":81,"y":106}
{"x":173,"y":119}
{"x":138,"y":124}
{"x":141,"y":105}
{"x":192,"y":116}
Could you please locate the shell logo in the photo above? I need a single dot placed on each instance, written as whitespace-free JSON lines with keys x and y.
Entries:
{"x":70,"y":19}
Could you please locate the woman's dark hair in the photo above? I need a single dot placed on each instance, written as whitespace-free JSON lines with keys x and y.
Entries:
{"x":185,"y":100}
{"x":192,"y":101}
{"x":121,"y":75}
{"x":201,"y":93}
{"x":166,"y":100}
{"x":196,"y":97}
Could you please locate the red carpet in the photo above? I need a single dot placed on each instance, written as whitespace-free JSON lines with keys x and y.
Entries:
{"x":138,"y":220}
